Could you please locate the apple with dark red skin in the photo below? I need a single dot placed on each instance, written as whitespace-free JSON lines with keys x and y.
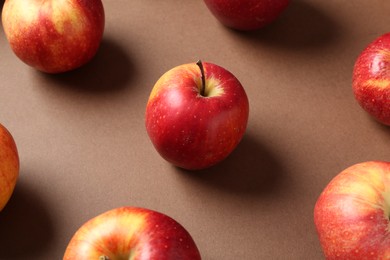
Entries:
{"x":132,"y":233}
{"x":54,"y":35}
{"x":246,"y":15}
{"x":196,"y":115}
{"x":9,"y":166}
{"x":371,"y":79}
{"x":352,"y":213}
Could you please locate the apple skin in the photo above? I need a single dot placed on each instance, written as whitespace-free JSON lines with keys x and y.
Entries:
{"x":132,"y":233}
{"x":54,"y":36}
{"x":246,"y":15}
{"x":191,"y":130}
{"x":371,"y":79}
{"x":352,"y":213}
{"x":9,"y":166}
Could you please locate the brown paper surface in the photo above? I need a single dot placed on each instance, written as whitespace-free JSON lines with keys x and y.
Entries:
{"x":84,"y":149}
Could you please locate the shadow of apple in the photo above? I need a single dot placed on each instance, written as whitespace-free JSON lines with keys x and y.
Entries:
{"x":1,"y":11}
{"x":111,"y":69}
{"x":25,"y":226}
{"x":300,"y":26}
{"x":382,"y":127}
{"x":250,"y":169}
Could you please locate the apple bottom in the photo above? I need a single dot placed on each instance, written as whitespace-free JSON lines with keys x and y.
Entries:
{"x":246,"y":15}
{"x":131,"y":233}
{"x":374,"y":100}
{"x":196,"y":139}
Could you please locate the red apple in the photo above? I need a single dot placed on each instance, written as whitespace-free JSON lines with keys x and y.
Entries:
{"x":371,"y":79}
{"x":352,"y":213}
{"x":54,"y":35}
{"x":246,"y":15}
{"x":196,"y":115}
{"x":132,"y":233}
{"x":9,"y":166}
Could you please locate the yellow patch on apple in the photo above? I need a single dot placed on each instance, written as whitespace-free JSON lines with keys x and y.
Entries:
{"x":187,"y":71}
{"x":126,"y":226}
{"x":73,"y":16}
{"x":378,"y":83}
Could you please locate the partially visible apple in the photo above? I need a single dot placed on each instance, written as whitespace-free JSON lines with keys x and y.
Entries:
{"x":196,"y":115}
{"x":352,"y":213}
{"x":9,"y":166}
{"x":54,"y":35}
{"x":371,"y":79}
{"x":132,"y":233}
{"x":246,"y":15}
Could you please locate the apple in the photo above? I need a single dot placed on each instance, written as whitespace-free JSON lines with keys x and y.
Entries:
{"x":246,"y":15}
{"x":196,"y":115}
{"x":132,"y":233}
{"x":371,"y":79}
{"x":9,"y":166}
{"x":54,"y":36}
{"x":352,"y":213}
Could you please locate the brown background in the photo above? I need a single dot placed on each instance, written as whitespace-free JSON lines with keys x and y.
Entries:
{"x":84,"y":149}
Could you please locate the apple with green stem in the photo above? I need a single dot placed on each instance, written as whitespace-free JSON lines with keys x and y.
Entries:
{"x":352,"y":213}
{"x":54,"y":35}
{"x":9,"y":166}
{"x":246,"y":15}
{"x":371,"y":79}
{"x":196,"y":115}
{"x":132,"y":233}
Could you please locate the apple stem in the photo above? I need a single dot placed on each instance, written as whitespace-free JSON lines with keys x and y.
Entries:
{"x":203,"y":87}
{"x":104,"y":257}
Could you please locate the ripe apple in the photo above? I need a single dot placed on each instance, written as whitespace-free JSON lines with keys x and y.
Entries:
{"x":54,"y":35}
{"x":196,"y":115}
{"x":246,"y":15}
{"x":9,"y":166}
{"x":132,"y":233}
{"x":352,"y":213}
{"x":371,"y":79}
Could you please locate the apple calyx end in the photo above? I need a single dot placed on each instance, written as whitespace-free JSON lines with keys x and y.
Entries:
{"x":203,"y":86}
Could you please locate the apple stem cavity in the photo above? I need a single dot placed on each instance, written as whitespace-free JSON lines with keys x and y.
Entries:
{"x":203,"y":87}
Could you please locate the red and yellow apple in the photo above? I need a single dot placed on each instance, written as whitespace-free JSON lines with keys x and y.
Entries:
{"x":371,"y":79}
{"x":9,"y":166}
{"x":352,"y":213}
{"x":54,"y":35}
{"x":132,"y":233}
{"x":246,"y":15}
{"x":196,"y":115}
